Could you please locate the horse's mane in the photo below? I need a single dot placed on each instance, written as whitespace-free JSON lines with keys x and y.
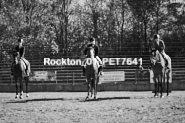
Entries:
{"x":157,"y":56}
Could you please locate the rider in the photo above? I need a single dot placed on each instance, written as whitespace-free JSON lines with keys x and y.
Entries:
{"x":92,"y":44}
{"x":159,"y":45}
{"x":21,"y":49}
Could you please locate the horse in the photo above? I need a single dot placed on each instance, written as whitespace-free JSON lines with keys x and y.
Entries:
{"x":91,"y":73}
{"x":19,"y":74}
{"x":160,"y":71}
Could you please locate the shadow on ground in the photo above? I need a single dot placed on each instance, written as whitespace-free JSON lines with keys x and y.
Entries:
{"x":108,"y":98}
{"x":64,"y":99}
{"x":35,"y":100}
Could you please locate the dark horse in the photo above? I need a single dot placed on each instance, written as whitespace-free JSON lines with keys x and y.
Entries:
{"x":160,"y":72}
{"x":91,"y":73}
{"x":19,"y":74}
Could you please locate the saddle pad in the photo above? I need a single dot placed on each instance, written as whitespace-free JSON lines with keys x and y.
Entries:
{"x":85,"y":61}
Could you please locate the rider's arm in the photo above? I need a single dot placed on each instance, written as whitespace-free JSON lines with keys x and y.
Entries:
{"x":96,"y":51}
{"x":162,"y":45}
{"x":16,"y":49}
{"x":151,"y":46}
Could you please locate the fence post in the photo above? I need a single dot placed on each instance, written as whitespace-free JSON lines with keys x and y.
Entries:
{"x":73,"y":78}
{"x":136,"y":76}
{"x":56,"y":76}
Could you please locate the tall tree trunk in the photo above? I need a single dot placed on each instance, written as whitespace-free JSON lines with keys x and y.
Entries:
{"x":122,"y":25}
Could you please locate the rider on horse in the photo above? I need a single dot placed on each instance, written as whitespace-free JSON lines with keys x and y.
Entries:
{"x":21,"y":49}
{"x":96,"y":49}
{"x":160,"y":46}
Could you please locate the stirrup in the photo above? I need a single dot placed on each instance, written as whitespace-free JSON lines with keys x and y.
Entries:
{"x":150,"y":67}
{"x":101,"y":73}
{"x":28,"y":74}
{"x":167,"y":68}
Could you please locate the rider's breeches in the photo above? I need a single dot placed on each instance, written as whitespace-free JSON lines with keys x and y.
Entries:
{"x":166,"y":58}
{"x":164,"y":55}
{"x":99,"y":60}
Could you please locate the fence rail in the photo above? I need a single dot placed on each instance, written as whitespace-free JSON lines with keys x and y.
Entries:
{"x":130,"y":49}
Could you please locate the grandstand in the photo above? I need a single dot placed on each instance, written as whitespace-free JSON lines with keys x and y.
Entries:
{"x":71,"y":75}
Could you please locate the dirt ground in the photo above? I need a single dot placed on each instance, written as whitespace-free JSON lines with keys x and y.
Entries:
{"x":111,"y":107}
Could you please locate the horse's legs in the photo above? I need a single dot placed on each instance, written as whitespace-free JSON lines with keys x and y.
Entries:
{"x":161,"y":85}
{"x":88,"y":87}
{"x":27,"y":80}
{"x":156,"y":86}
{"x":28,"y":69}
{"x":92,"y":87}
{"x":21,"y":87}
{"x":16,"y":87}
{"x":167,"y":90}
{"x":167,"y":83}
{"x":95,"y":88}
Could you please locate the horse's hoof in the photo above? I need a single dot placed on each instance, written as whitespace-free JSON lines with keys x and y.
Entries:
{"x":27,"y":95}
{"x":16,"y":96}
{"x":87,"y":98}
{"x":92,"y":96}
{"x":162,"y":96}
{"x":21,"y":97}
{"x":156,"y":96}
{"x":95,"y":97}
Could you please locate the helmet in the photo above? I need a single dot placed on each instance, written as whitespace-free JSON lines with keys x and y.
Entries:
{"x":91,"y":39}
{"x":20,"y":40}
{"x":156,"y":36}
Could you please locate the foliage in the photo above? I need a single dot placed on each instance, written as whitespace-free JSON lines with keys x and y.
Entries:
{"x":69,"y":23}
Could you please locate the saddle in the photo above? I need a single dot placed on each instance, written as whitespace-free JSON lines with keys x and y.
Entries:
{"x":166,"y":60}
{"x":85,"y":63}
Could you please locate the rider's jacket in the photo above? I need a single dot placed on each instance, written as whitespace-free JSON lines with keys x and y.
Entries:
{"x":21,"y":50}
{"x":96,"y":49}
{"x":158,"y":46}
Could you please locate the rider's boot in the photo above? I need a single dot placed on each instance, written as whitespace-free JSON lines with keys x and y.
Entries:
{"x":26,"y":70}
{"x":100,"y":71}
{"x":166,"y":61}
{"x":167,"y":64}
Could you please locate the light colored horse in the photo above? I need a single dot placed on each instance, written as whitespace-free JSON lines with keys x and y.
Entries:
{"x":91,"y":73}
{"x":160,"y":72}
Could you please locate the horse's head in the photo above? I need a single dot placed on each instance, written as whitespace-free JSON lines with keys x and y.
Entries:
{"x":154,"y":57}
{"x":90,"y":52}
{"x":16,"y":57}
